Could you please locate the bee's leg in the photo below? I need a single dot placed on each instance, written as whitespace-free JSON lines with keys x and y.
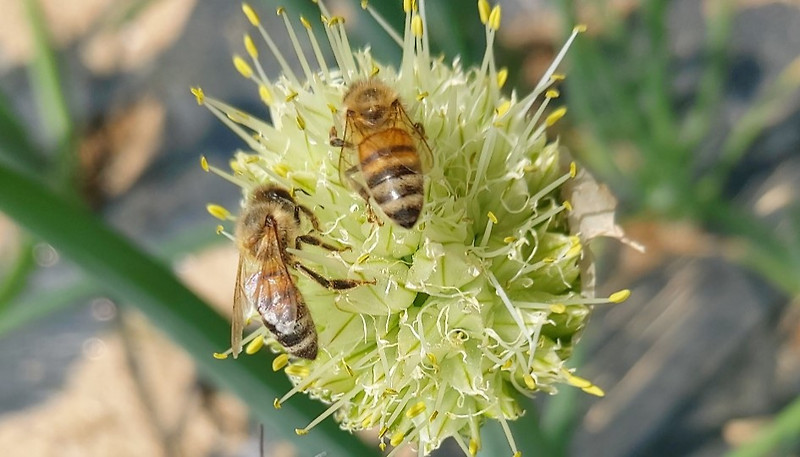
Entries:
{"x":371,"y":216}
{"x":420,"y":129}
{"x":314,"y":241}
{"x":333,"y":284}
{"x":297,"y":209}
{"x":336,"y":142}
{"x":309,"y":214}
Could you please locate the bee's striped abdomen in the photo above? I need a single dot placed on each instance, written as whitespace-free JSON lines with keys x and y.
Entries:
{"x":392,"y":170}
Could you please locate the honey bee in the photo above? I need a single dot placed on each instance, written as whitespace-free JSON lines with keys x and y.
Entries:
{"x":388,"y":145}
{"x":269,"y":224}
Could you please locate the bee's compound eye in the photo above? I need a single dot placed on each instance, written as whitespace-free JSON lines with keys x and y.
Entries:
{"x":277,"y":193}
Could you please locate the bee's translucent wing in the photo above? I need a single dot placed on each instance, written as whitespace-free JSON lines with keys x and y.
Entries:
{"x":274,"y":295}
{"x":240,"y":305}
{"x":349,"y":172}
{"x":417,"y":130}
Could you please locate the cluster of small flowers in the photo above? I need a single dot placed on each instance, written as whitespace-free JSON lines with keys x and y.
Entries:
{"x":485,"y":296}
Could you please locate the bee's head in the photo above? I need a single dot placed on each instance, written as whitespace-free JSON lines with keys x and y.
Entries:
{"x":271,"y":193}
{"x":370,"y":102}
{"x":374,"y":115}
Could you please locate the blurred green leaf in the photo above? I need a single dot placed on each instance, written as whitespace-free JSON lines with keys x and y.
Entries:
{"x":15,"y":280}
{"x":38,"y":304}
{"x":767,"y":109}
{"x":698,"y":120}
{"x":493,"y":441}
{"x":783,"y":431}
{"x":56,"y":122}
{"x":531,"y":436}
{"x":138,"y":280}
{"x":759,"y":248}
{"x":16,"y":148}
{"x":43,"y":303}
{"x":560,"y":416}
{"x":656,"y":88}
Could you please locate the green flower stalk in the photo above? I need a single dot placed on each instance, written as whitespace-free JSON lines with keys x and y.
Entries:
{"x":485,"y":297}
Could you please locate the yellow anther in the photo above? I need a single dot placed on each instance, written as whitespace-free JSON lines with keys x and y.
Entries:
{"x":574,"y":250}
{"x":220,"y":229}
{"x":548,"y":260}
{"x":502,"y":77}
{"x":508,"y":364}
{"x":198,"y":95}
{"x":553,"y":117}
{"x":397,"y":438}
{"x":265,"y":94}
{"x":434,"y":415}
{"x":301,"y":431}
{"x":218,"y":211}
{"x":237,"y":116}
{"x":594,"y":390}
{"x":333,"y":108}
{"x":558,"y":308}
{"x":502,"y":108}
{"x":276,"y":404}
{"x":409,"y":5}
{"x":432,"y":357}
{"x":220,"y":355}
{"x":281,"y":169}
{"x":567,"y":205}
{"x":509,"y":239}
{"x":517,"y":454}
{"x":251,"y":14}
{"x":416,"y":410}
{"x":484,"y":10}
{"x":422,"y":95}
{"x":324,"y":19}
{"x":255,"y":345}
{"x":529,"y":381}
{"x":204,"y":163}
{"x":492,"y":217}
{"x":242,"y":67}
{"x":305,"y":22}
{"x":382,"y":432}
{"x":364,"y":4}
{"x":474,"y":447}
{"x":494,"y":17}
{"x":577,"y":381}
{"x":619,"y":297}
{"x":301,"y":123}
{"x":382,"y":446}
{"x":389,"y":391}
{"x":375,"y":70}
{"x":552,"y":93}
{"x":362,"y":258}
{"x":580,"y":28}
{"x":348,"y":369}
{"x":416,"y":26}
{"x":291,"y":96}
{"x":280,"y":361}
{"x":297,"y":370}
{"x":250,"y":46}
{"x":366,"y":422}
{"x":280,"y":10}
{"x":573,"y":169}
